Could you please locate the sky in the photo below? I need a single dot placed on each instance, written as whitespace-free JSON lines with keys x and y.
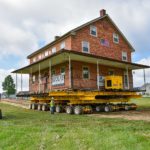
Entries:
{"x":27,"y":25}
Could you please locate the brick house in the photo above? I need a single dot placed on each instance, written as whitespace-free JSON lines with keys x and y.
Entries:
{"x":81,"y":58}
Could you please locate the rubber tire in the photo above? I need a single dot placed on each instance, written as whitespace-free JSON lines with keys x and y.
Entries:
{"x":30,"y":106}
{"x":98,"y":108}
{"x":58,"y":109}
{"x":39,"y":108}
{"x":34,"y":106}
{"x":69,"y":110}
{"x":133,"y":105}
{"x":44,"y":107}
{"x":107,"y":108}
{"x":1,"y":114}
{"x":126,"y":108}
{"x":78,"y":110}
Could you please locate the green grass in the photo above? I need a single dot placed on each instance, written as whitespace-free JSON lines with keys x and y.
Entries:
{"x":32,"y":130}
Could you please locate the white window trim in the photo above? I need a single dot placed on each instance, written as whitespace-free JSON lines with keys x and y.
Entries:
{"x":46,"y":53}
{"x":54,"y":48}
{"x":39,"y":56}
{"x":63,"y":45}
{"x":34,"y":59}
{"x":88,"y":47}
{"x":82,"y":73}
{"x":92,"y":26}
{"x":114,"y":36}
{"x":124,"y":54}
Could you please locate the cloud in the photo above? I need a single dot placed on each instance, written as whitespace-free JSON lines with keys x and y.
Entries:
{"x":138,"y":75}
{"x":25,"y":24}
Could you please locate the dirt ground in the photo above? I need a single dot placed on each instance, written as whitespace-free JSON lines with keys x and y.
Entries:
{"x":129,"y":115}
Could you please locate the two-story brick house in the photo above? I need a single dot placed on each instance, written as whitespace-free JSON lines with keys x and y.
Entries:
{"x":81,"y":58}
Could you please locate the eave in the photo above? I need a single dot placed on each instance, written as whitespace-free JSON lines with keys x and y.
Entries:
{"x":63,"y":55}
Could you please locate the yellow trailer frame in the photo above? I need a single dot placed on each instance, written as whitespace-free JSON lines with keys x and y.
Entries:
{"x":72,"y":99}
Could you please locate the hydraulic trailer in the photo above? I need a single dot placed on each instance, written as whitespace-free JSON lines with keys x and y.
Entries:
{"x":79,"y":102}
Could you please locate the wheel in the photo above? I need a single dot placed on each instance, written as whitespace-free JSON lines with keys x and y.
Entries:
{"x":30,"y":106}
{"x":133,"y":106}
{"x":126,"y":108}
{"x":107,"y":108}
{"x":0,"y":114}
{"x":78,"y":110}
{"x":58,"y":109}
{"x":39,"y":107}
{"x":44,"y":107}
{"x":69,"y":110}
{"x":112,"y":107}
{"x":34,"y":106}
{"x":98,"y":108}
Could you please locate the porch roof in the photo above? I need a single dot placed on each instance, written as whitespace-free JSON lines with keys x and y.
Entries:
{"x":63,"y":56}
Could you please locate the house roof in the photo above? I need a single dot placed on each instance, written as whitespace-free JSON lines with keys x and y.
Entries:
{"x":72,"y":32}
{"x":62,"y":56}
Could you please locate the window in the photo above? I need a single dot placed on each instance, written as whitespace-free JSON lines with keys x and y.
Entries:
{"x":34,"y":59}
{"x":63,"y":69}
{"x":85,"y":47}
{"x":111,"y":72}
{"x":46,"y":53}
{"x":104,"y":42}
{"x":124,"y":56}
{"x":40,"y":56}
{"x":50,"y":52}
{"x":93,"y":30}
{"x":53,"y":72}
{"x":62,"y":45}
{"x":86,"y":74}
{"x":53,"y":50}
{"x":116,"y":38}
{"x":43,"y":55}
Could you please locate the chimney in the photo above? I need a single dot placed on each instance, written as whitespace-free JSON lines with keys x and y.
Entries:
{"x":57,"y":37}
{"x":102,"y":13}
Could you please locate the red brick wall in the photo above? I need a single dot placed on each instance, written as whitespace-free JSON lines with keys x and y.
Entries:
{"x":79,"y":82}
{"x":77,"y":78}
{"x":57,"y":45}
{"x":104,"y":30}
{"x":34,"y":87}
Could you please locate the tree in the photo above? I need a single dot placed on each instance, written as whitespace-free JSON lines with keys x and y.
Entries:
{"x":9,"y":86}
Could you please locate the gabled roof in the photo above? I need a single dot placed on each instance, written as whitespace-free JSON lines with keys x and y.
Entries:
{"x":72,"y":32}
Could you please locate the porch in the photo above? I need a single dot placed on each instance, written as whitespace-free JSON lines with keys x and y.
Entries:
{"x":66,"y":70}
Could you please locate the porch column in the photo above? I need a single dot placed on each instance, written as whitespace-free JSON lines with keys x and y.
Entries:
{"x":70,"y":85}
{"x":21,"y":82}
{"x":144,"y":78}
{"x":39,"y":78}
{"x":98,"y":75}
{"x":127,"y":70}
{"x":30,"y":82}
{"x":16,"y":82}
{"x":50,"y":74}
